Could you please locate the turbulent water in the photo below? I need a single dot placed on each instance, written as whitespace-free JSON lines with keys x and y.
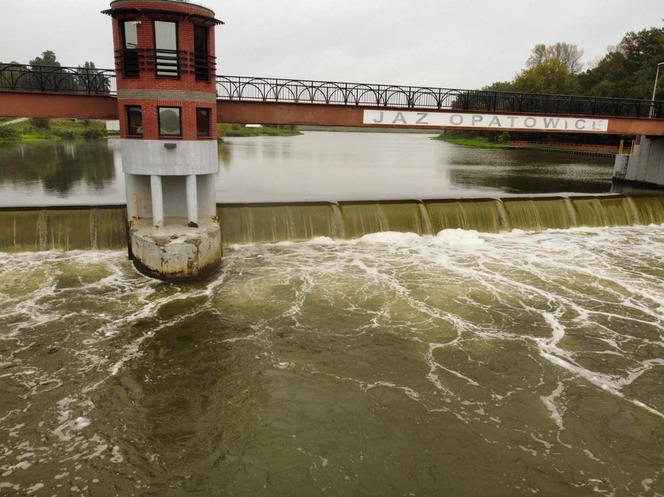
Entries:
{"x":461,"y":364}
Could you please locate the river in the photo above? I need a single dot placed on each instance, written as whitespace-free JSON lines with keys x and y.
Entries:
{"x":315,"y":166}
{"x":461,"y":364}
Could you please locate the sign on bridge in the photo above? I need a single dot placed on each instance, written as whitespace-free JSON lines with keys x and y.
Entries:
{"x":484,"y":121}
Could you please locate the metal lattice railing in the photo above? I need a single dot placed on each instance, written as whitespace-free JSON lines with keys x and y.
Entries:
{"x":76,"y":80}
{"x":240,"y":88}
{"x":51,"y":79}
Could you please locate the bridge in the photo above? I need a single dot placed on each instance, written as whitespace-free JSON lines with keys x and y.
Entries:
{"x":83,"y":93}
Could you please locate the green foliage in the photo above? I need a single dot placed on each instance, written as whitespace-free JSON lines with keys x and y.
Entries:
{"x":65,"y":134}
{"x":629,"y":70}
{"x":8,"y":133}
{"x":40,"y":123}
{"x":57,"y":129}
{"x":551,"y":76}
{"x":47,"y":58}
{"x":93,"y":134}
{"x":500,"y":86}
{"x":239,"y":130}
{"x":568,"y":54}
{"x":473,"y":139}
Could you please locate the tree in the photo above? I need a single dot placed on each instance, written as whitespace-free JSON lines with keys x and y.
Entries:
{"x":500,"y":86}
{"x":45,"y":74}
{"x":551,"y":76}
{"x":628,"y":70}
{"x":47,"y":58}
{"x":568,"y":54}
{"x":92,"y":80}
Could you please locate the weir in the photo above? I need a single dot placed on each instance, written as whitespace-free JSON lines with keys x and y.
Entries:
{"x":105,"y":227}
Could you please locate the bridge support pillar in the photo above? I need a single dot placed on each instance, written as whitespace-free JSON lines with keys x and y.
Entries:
{"x":645,"y":165}
{"x":192,"y":200}
{"x":157,"y":197}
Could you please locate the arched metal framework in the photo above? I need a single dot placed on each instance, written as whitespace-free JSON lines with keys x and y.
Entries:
{"x":253,"y":89}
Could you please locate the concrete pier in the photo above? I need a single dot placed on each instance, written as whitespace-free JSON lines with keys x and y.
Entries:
{"x":176,"y":252}
{"x":645,"y":165}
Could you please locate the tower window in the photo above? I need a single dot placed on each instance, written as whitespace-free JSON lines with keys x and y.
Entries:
{"x":167,"y":60}
{"x":170,"y":123}
{"x":203,"y":122}
{"x":201,"y":61}
{"x":134,"y":121}
{"x":130,"y":49}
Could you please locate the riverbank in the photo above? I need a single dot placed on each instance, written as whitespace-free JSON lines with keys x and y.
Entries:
{"x":559,"y":147}
{"x":469,"y":142}
{"x":52,"y":130}
{"x":360,"y":129}
{"x":240,"y":130}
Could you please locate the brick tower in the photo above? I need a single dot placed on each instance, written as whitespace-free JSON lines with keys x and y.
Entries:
{"x":164,"y":57}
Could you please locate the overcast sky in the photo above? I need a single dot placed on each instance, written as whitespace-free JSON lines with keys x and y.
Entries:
{"x":460,"y":43}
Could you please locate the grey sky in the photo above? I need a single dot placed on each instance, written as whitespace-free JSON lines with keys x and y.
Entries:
{"x":460,"y":43}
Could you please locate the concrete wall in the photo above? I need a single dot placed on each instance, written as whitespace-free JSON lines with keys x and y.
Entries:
{"x":175,"y":196}
{"x":207,"y":202}
{"x":175,"y":204}
{"x":152,"y":157}
{"x":646,"y":164}
{"x":138,"y":196}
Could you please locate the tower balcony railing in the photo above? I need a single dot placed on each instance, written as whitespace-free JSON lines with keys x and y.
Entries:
{"x":130,"y":63}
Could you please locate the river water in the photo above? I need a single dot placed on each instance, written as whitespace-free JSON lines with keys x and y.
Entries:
{"x":315,"y":166}
{"x":461,"y":364}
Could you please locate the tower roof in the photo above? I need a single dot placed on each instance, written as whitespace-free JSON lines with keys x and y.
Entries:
{"x":174,"y":8}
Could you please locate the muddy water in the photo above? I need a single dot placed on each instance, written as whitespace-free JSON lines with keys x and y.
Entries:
{"x":463,"y":364}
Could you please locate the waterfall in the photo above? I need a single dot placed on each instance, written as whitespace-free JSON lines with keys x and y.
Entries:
{"x":104,"y":227}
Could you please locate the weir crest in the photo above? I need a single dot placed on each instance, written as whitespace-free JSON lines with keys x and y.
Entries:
{"x":105,"y":227}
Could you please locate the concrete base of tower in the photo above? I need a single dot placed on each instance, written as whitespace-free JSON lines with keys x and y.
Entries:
{"x":176,"y":252}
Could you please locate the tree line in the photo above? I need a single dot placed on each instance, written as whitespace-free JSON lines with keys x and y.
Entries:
{"x":626,"y":71}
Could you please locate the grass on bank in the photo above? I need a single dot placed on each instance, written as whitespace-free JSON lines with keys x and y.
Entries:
{"x":240,"y":130}
{"x":53,"y":129}
{"x":474,"y":142}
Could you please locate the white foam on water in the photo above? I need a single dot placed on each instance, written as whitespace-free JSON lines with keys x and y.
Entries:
{"x":116,"y":455}
{"x":389,"y":238}
{"x":81,"y":422}
{"x":458,"y":238}
{"x":34,"y":488}
{"x":549,"y":402}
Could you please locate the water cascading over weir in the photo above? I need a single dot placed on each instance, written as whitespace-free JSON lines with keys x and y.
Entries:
{"x":105,"y":227}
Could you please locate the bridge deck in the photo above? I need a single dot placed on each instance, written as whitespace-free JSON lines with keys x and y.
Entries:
{"x":90,"y":93}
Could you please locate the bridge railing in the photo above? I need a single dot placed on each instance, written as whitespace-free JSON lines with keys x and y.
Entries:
{"x":256,"y":89}
{"x":85,"y":81}
{"x":55,"y":79}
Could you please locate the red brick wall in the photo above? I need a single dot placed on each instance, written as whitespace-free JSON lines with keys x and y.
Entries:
{"x":148,"y":80}
{"x":150,"y":119}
